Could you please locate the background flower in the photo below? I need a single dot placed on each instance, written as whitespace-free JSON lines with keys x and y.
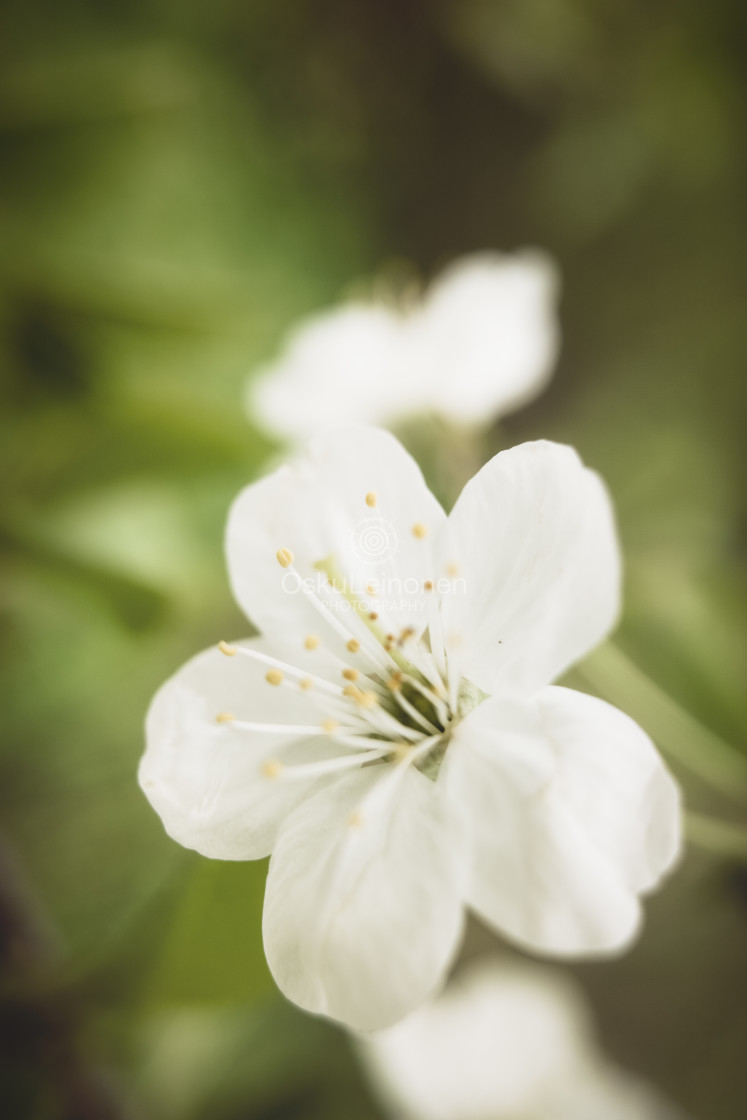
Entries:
{"x":505,"y":1041}
{"x":480,"y":342}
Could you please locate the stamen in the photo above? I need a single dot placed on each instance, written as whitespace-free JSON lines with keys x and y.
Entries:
{"x":419,"y":530}
{"x":274,"y":677}
{"x":413,"y":713}
{"x":272,"y":728}
{"x":325,"y":766}
{"x":371,"y":499}
{"x":373,"y":616}
{"x":452,"y":570}
{"x":312,"y":641}
{"x":428,"y":585}
{"x":354,"y":645}
{"x":306,"y":684}
{"x":329,"y":726}
{"x":225,"y":717}
{"x":284,"y":557}
{"x":363,"y":699}
{"x":272,"y":768}
{"x":230,"y":651}
{"x":350,"y":674}
{"x":286,"y":669}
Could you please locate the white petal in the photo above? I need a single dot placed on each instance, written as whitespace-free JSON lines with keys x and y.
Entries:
{"x":533,"y":538}
{"x":317,"y":509}
{"x":340,"y":367}
{"x":488,"y":332}
{"x":363,"y":906}
{"x":205,"y":779}
{"x":504,"y":1039}
{"x":572,"y":814}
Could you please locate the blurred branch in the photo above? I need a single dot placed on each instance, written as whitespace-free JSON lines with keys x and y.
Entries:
{"x":722,"y":838}
{"x":137,"y":605}
{"x":611,"y":674}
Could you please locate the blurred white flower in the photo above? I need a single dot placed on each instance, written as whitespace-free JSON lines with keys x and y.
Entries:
{"x":480,"y":343}
{"x":393,"y":739}
{"x":505,"y":1041}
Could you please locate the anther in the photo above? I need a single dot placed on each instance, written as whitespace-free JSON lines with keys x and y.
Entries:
{"x":274,"y":677}
{"x":419,"y":530}
{"x":230,"y":651}
{"x":284,"y":557}
{"x":428,"y":585}
{"x":354,"y":645}
{"x":371,"y":499}
{"x":272,"y":768}
{"x":312,"y":641}
{"x":225,"y":717}
{"x":394,"y":684}
{"x":452,"y":570}
{"x":330,"y":725}
{"x":405,"y":636}
{"x":355,"y":820}
{"x":350,"y":674}
{"x":372,"y":615}
{"x":306,"y":684}
{"x":362,"y":699}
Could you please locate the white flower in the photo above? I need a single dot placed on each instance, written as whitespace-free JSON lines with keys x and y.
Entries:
{"x":505,"y":1041}
{"x":481,"y":343}
{"x":393,"y":739}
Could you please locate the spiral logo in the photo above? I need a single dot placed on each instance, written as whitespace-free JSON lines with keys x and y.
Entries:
{"x":374,"y":540}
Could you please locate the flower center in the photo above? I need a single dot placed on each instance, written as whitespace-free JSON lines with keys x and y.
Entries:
{"x":397,"y":697}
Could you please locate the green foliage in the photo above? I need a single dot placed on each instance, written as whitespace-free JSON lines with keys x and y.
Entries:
{"x":182,"y":182}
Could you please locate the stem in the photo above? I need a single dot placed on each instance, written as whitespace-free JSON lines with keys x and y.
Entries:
{"x":679,"y":734}
{"x":721,"y":838}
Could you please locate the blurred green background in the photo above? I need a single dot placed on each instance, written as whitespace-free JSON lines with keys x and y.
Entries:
{"x":181,"y":181}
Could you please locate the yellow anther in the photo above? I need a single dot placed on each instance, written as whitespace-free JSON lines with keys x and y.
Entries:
{"x":225,"y":717}
{"x":330,"y":725}
{"x":371,"y":588}
{"x":394,"y":684}
{"x":355,"y":820}
{"x":428,"y":585}
{"x":367,"y":699}
{"x":350,"y":674}
{"x":312,"y":641}
{"x":371,"y":499}
{"x":284,"y":557}
{"x":419,"y":530}
{"x":406,"y":634}
{"x":372,"y":615}
{"x":305,"y":684}
{"x":274,"y":677}
{"x":351,"y":691}
{"x":354,"y":645}
{"x":452,"y":570}
{"x":230,"y":651}
{"x":272,"y":768}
